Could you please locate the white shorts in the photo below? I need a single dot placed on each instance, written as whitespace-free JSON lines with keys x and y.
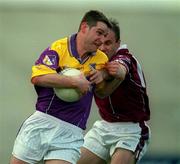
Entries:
{"x":105,"y":137}
{"x":44,"y":137}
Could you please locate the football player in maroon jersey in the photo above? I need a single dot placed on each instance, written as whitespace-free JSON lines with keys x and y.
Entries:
{"x":122,"y":135}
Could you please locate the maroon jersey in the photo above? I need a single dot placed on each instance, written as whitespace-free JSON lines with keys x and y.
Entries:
{"x":129,"y":102}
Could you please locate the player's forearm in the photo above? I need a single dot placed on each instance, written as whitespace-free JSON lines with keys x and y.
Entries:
{"x":106,"y":88}
{"x":53,"y":80}
{"x":111,"y":81}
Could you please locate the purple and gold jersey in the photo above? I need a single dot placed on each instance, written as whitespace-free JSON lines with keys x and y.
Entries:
{"x":62,"y":54}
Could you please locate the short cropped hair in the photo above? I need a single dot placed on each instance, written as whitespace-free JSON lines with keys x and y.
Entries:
{"x":93,"y":16}
{"x":115,"y":28}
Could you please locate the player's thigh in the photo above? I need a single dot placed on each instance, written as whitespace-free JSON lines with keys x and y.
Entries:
{"x":56,"y":162}
{"x":87,"y":157}
{"x":123,"y":156}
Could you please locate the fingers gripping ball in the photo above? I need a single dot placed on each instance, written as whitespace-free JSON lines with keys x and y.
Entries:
{"x":69,"y":94}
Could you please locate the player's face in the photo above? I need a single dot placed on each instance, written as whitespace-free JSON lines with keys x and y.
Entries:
{"x":109,"y":44}
{"x":95,"y":36}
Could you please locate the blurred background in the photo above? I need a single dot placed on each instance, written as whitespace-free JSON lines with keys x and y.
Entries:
{"x":150,"y":28}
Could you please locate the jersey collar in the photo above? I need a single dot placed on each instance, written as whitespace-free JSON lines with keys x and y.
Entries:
{"x":73,"y":49}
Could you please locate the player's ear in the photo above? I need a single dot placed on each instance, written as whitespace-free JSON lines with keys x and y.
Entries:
{"x":84,"y":27}
{"x":117,"y":44}
{"x":119,"y":41}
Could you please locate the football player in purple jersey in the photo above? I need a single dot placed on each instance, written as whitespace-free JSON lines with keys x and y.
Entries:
{"x":54,"y":132}
{"x":122,"y":136}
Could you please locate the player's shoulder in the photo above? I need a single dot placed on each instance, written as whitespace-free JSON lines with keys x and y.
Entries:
{"x":123,"y":52}
{"x":59,"y":43}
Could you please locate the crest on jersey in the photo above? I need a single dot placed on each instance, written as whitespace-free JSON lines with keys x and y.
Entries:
{"x":49,"y":60}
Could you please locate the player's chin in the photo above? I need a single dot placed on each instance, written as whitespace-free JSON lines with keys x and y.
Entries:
{"x":94,"y":48}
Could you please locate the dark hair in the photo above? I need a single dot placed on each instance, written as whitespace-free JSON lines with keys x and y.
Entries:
{"x":115,"y":28}
{"x":94,"y":16}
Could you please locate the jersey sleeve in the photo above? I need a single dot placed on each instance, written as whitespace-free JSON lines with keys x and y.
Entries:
{"x":47,"y":63}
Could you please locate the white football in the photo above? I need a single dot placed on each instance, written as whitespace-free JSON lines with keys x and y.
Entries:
{"x":68,"y":94}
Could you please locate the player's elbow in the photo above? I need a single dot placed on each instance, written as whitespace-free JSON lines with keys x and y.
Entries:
{"x":35,"y":80}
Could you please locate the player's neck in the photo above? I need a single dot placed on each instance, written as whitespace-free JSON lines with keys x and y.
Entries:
{"x":80,"y":45}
